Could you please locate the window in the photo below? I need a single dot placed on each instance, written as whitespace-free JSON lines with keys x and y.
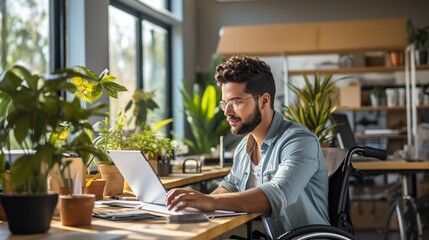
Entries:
{"x":159,"y":4}
{"x":139,"y":47}
{"x":24,"y":32}
{"x":155,"y":65}
{"x":122,"y":56}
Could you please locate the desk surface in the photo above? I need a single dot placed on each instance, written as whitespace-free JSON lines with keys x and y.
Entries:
{"x":400,"y":165}
{"x":153,"y":229}
{"x":183,"y":179}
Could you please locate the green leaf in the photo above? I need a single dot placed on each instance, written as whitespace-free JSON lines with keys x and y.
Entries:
{"x":90,"y":74}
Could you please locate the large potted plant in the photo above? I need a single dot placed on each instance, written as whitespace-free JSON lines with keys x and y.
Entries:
{"x":202,"y":114}
{"x":204,"y":117}
{"x":314,"y":105}
{"x":420,"y":38}
{"x":45,"y":126}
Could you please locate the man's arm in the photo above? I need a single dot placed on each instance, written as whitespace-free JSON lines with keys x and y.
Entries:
{"x":252,"y":200}
{"x":220,"y":190}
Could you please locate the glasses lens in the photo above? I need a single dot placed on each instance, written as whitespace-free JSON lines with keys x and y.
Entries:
{"x":222,"y":105}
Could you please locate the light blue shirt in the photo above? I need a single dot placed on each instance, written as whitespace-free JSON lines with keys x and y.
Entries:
{"x":291,"y":173}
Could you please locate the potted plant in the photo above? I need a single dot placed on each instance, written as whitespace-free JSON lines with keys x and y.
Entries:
{"x":157,"y":147}
{"x":376,"y":96}
{"x":144,"y":103}
{"x":110,"y":137}
{"x":314,"y":105}
{"x":202,"y":114}
{"x":204,"y":117}
{"x":420,"y":38}
{"x":45,"y":126}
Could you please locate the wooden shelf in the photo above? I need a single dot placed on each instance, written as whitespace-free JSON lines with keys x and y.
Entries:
{"x":355,"y":70}
{"x":361,"y":136}
{"x":313,"y":38}
{"x":379,"y":108}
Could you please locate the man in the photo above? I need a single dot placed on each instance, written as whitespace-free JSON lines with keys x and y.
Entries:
{"x":278,"y":167}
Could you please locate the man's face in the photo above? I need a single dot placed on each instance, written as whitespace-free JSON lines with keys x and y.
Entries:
{"x":241,"y":110}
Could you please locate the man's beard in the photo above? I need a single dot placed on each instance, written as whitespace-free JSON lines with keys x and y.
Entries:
{"x":249,"y":124}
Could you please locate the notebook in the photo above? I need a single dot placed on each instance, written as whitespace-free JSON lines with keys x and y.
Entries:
{"x":146,"y":185}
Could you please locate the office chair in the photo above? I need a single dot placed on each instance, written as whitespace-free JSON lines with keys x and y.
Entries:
{"x":339,"y":206}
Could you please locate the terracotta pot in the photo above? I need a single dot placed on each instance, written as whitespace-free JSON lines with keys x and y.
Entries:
{"x":66,"y":191}
{"x":96,"y":187}
{"x":397,"y":58}
{"x":114,"y":179}
{"x":76,"y":210}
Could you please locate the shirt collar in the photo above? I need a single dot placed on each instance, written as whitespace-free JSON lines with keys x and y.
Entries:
{"x":271,"y":134}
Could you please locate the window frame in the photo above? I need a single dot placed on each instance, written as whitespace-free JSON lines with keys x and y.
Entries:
{"x":130,"y":8}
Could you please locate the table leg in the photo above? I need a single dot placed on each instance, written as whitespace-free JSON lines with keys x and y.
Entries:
{"x":249,"y":229}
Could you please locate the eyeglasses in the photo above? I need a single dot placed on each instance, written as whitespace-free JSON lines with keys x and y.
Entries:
{"x":235,"y":103}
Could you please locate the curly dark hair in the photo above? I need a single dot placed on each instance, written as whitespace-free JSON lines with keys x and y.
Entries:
{"x":256,"y":74}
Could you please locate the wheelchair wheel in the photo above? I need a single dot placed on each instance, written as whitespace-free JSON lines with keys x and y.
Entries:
{"x":317,"y":232}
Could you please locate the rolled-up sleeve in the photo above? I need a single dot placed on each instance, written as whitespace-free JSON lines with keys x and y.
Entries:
{"x":299,"y":162}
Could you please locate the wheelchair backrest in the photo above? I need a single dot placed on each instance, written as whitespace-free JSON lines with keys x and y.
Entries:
{"x":338,"y":188}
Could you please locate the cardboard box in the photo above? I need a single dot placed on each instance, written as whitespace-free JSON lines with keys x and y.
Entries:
{"x":350,"y":96}
{"x":371,"y":215}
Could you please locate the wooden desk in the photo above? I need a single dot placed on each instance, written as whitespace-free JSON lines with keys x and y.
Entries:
{"x":406,"y":201}
{"x":183,"y":179}
{"x":153,"y":229}
{"x":391,"y":166}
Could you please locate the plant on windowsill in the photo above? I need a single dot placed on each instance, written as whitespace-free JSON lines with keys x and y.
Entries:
{"x":314,"y":106}
{"x":143,"y":103}
{"x":45,"y":126}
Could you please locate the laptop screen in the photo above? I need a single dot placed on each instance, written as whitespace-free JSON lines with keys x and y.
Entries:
{"x":140,"y":176}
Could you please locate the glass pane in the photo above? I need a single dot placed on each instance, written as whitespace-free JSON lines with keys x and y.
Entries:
{"x":160,"y":4}
{"x":122,"y":57}
{"x":154,"y":67}
{"x":24,"y":32}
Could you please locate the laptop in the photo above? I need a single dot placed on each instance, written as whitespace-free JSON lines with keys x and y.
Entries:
{"x":346,"y":137}
{"x":146,"y":185}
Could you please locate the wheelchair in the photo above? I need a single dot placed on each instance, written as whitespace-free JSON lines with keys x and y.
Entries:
{"x":339,"y":206}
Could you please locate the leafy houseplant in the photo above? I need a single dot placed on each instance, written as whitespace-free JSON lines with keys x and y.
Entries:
{"x":420,"y":38}
{"x":143,"y":104}
{"x":204,"y":117}
{"x":150,"y":143}
{"x":314,"y":105}
{"x":45,"y":126}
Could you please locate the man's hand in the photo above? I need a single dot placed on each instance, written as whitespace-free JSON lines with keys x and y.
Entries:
{"x":181,"y":198}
